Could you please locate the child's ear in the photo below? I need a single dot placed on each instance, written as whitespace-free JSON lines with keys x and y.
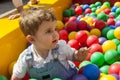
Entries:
{"x":30,"y":38}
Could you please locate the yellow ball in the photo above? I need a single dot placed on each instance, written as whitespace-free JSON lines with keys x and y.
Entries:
{"x":87,"y":32}
{"x":98,"y":11}
{"x":107,"y":77}
{"x":117,"y":32}
{"x":96,"y":32}
{"x":72,"y":35}
{"x":60,"y":25}
{"x":103,"y":7}
{"x":10,"y":68}
{"x":108,"y":45}
{"x":117,"y":4}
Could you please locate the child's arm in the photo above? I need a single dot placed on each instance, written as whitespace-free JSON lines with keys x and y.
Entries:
{"x":15,"y":78}
{"x":81,"y":54}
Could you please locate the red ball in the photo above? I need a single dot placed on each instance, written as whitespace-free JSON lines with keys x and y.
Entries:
{"x":114,"y":69}
{"x":95,"y":48}
{"x":82,"y":25}
{"x":74,"y":44}
{"x":65,"y":19}
{"x":63,"y":34}
{"x":78,"y":10}
{"x":107,"y":11}
{"x":88,"y":56}
{"x":88,"y":10}
{"x":111,"y":21}
{"x":81,"y":36}
{"x":76,"y":63}
{"x":100,"y":24}
{"x":26,"y":77}
{"x":92,"y":39}
{"x":72,"y":18}
{"x":71,"y":26}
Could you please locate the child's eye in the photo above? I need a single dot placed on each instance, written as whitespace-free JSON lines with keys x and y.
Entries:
{"x":49,"y":31}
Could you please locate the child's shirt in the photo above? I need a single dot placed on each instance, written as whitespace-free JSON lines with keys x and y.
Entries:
{"x":65,"y":54}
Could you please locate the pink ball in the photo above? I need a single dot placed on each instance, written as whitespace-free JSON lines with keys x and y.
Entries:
{"x":107,"y":11}
{"x":88,"y":10}
{"x":78,"y":10}
{"x":74,"y":44}
{"x":100,"y":24}
{"x":92,"y":39}
{"x":71,"y":26}
{"x":114,"y":69}
{"x":82,"y":25}
{"x":72,"y":18}
{"x":95,"y":48}
{"x":111,"y":21}
{"x":63,"y":34}
{"x":81,"y":36}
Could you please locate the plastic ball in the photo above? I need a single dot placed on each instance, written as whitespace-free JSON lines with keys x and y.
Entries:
{"x":91,"y":71}
{"x":117,"y":32}
{"x":98,"y":3}
{"x":63,"y":34}
{"x":81,"y":36}
{"x":92,"y":39}
{"x":78,"y":10}
{"x":107,"y":77}
{"x":84,"y":63}
{"x":107,"y":11}
{"x":32,"y":79}
{"x":10,"y":68}
{"x":72,"y":18}
{"x":112,"y":27}
{"x":111,"y":56}
{"x":104,"y":31}
{"x":118,"y":48}
{"x":100,"y":24}
{"x":97,"y":58}
{"x":74,"y":44}
{"x":101,"y":40}
{"x":3,"y":77}
{"x":71,"y":26}
{"x":117,"y":4}
{"x":118,"y":11}
{"x":93,"y":10}
{"x":84,"y":7}
{"x":67,"y":13}
{"x":108,"y":45}
{"x":88,"y":10}
{"x":114,"y":8}
{"x":96,"y":32}
{"x":117,"y":42}
{"x":79,"y":77}
{"x":104,"y":69}
{"x":65,"y":19}
{"x":95,"y":48}
{"x":60,"y":25}
{"x":107,"y":4}
{"x":114,"y":69}
{"x":82,"y":25}
{"x":116,"y":76}
{"x":56,"y":79}
{"x":72,"y":35}
{"x":102,"y":16}
{"x":72,"y":11}
{"x":110,"y":22}
{"x":110,"y":34}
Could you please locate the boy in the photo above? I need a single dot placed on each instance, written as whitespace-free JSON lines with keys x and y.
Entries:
{"x":47,"y":57}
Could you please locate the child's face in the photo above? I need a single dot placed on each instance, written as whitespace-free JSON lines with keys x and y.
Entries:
{"x":46,"y":37}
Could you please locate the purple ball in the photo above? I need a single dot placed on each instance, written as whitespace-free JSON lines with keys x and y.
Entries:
{"x":117,"y":23}
{"x":101,"y":40}
{"x":79,"y":77}
{"x":116,"y":76}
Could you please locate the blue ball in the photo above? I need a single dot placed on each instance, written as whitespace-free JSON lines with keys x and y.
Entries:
{"x":85,"y":7}
{"x":114,"y":8}
{"x":91,"y":71}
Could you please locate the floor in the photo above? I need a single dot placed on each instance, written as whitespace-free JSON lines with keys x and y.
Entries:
{"x":6,"y":5}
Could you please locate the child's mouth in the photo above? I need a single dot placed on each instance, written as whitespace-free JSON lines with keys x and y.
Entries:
{"x":55,"y":41}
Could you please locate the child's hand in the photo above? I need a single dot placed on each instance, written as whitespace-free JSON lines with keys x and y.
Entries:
{"x":11,"y":17}
{"x":81,"y":54}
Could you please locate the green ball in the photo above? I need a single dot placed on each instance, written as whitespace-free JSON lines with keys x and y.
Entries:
{"x":3,"y":77}
{"x":113,"y":13}
{"x":117,"y":42}
{"x":56,"y":79}
{"x":104,"y":69}
{"x":102,"y":16}
{"x":118,"y":49}
{"x":72,"y":11}
{"x":97,"y":58}
{"x":107,"y":4}
{"x":118,"y":11}
{"x":110,"y":34}
{"x":94,"y":9}
{"x":110,"y":56}
{"x":98,"y":3}
{"x":104,"y":31}
{"x":92,"y":6}
{"x":84,"y":63}
{"x":67,"y":13}
{"x":93,"y":14}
